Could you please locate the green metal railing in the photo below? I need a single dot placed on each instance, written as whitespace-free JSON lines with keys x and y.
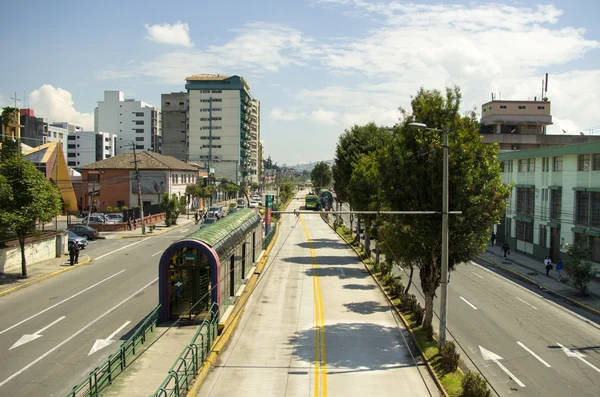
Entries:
{"x":186,"y":367}
{"x":105,"y":373}
{"x":269,"y":236}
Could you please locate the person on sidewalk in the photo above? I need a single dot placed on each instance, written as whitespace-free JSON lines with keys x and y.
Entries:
{"x":134,"y":224}
{"x":548,"y":265}
{"x":493,"y":239}
{"x":559,"y":269}
{"x":196,"y":217}
{"x":71,"y":252}
{"x":128,"y":223}
{"x":506,"y":249}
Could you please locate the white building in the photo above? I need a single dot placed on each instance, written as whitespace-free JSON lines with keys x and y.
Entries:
{"x":53,"y":133}
{"x":87,"y":147}
{"x":223,"y":126}
{"x":131,"y":120}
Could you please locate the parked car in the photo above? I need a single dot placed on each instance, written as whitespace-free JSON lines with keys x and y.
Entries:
{"x":208,"y":221}
{"x":114,"y":218}
{"x":94,"y":219}
{"x":82,"y":242}
{"x":241,"y":202}
{"x":254,"y":204}
{"x":232,"y":206}
{"x":256,"y":197}
{"x":216,"y":211}
{"x":84,"y":231}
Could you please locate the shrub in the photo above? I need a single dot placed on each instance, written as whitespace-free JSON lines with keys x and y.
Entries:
{"x":387,"y":279}
{"x":396,"y":288}
{"x":449,"y":357}
{"x":124,"y":208}
{"x":418,"y":314}
{"x":408,"y":302}
{"x":474,"y":386}
{"x":110,"y":209}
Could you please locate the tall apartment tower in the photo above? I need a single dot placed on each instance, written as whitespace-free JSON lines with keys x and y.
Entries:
{"x":223,"y":126}
{"x":174,"y":124}
{"x":131,"y":120}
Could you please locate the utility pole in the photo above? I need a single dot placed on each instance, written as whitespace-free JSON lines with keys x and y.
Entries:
{"x":444,"y":281}
{"x":17,"y":121}
{"x":139,"y":187}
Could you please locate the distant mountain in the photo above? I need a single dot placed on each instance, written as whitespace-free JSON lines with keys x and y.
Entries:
{"x":309,"y":166}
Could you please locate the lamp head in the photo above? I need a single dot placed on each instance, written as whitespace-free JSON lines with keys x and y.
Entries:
{"x":417,"y":125}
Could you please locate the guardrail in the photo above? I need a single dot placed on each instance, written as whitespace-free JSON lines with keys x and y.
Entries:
{"x":105,"y":373}
{"x":187,"y":365}
{"x":269,"y":236}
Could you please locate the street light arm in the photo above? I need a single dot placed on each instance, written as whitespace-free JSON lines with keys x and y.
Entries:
{"x":245,"y":193}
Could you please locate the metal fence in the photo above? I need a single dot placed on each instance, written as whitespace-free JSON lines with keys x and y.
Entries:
{"x":186,"y":367}
{"x":105,"y":373}
{"x":269,"y":236}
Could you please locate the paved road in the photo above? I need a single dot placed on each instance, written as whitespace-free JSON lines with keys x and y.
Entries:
{"x":74,"y":309}
{"x":316,"y":325}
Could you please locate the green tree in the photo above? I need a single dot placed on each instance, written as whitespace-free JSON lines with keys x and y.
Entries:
{"x":579,"y":267}
{"x":170,"y":205}
{"x":352,"y":143}
{"x":27,"y":197}
{"x":254,"y":186}
{"x":321,"y":175}
{"x":412,"y":168}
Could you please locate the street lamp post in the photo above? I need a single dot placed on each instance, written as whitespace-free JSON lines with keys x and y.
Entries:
{"x":444,"y":278}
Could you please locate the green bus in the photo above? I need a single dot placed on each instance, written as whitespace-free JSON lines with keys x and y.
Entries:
{"x":311,"y":202}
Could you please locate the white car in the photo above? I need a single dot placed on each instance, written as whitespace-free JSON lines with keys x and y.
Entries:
{"x":254,"y":204}
{"x":256,"y":197}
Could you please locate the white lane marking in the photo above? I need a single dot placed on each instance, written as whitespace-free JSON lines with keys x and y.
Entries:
{"x":533,"y":354}
{"x":31,"y":337}
{"x":157,"y":253}
{"x":74,"y":335}
{"x":119,"y":249}
{"x":527,"y":303}
{"x":184,"y":230}
{"x":576,"y":354}
{"x":61,"y":302}
{"x":481,"y":277}
{"x":489,"y":355}
{"x":102,"y":343}
{"x":468,"y":303}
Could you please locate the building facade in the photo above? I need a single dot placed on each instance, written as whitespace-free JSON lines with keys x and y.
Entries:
{"x":87,"y":147}
{"x":222,"y":127}
{"x":555,"y":199}
{"x":132,"y":121}
{"x":174,"y":107}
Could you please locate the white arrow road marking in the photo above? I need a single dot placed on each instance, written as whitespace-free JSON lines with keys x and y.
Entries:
{"x":75,"y":334}
{"x":533,"y":354}
{"x":61,"y":302}
{"x":157,"y":253}
{"x":468,"y":303}
{"x":488,"y":355}
{"x":31,"y":337}
{"x":184,"y":230}
{"x":576,"y":354}
{"x":102,"y":343}
{"x":481,"y":277}
{"x":528,"y":304}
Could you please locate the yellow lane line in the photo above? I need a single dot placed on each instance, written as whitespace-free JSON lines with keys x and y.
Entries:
{"x":320,"y":373}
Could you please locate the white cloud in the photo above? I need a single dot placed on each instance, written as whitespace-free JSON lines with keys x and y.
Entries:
{"x":278,"y":114}
{"x":176,"y":34}
{"x":324,"y":116}
{"x":56,"y":104}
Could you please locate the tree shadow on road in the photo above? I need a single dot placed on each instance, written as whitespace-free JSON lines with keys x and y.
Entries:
{"x":342,"y":273}
{"x":359,"y":286}
{"x":323,"y":243}
{"x":322,"y":260}
{"x":368,"y":307}
{"x":355,"y":345}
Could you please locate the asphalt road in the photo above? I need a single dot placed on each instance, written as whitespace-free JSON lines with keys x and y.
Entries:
{"x":60,"y":318}
{"x":317,"y":324}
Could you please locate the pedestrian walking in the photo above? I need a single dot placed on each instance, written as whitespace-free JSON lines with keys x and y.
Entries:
{"x":196,"y":217}
{"x":493,"y":239}
{"x":548,"y":265}
{"x":71,"y":252}
{"x":128,"y":223}
{"x":559,"y":268}
{"x":506,"y":249}
{"x":76,"y":252}
{"x":134,"y":224}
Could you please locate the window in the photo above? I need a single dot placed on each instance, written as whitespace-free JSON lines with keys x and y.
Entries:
{"x":120,"y":203}
{"x":217,"y":127}
{"x":596,"y":162}
{"x":541,"y":107}
{"x":582,"y":205}
{"x":525,"y":201}
{"x":214,"y":137}
{"x":583,"y":162}
{"x":71,"y":155}
{"x":139,"y":122}
{"x":557,"y":163}
{"x":138,"y":114}
{"x":71,"y":138}
{"x":139,"y":139}
{"x":525,"y":231}
{"x":216,"y":91}
{"x":139,"y":130}
{"x":217,"y":109}
{"x":71,"y":146}
{"x":508,"y":227}
{"x":205,"y":91}
{"x":530,"y":165}
{"x":182,"y":103}
{"x":595,"y":249}
{"x":168,"y":103}
{"x":139,"y":147}
{"x":555,"y":204}
{"x":217,"y":100}
{"x":502,"y":106}
{"x":543,"y":236}
{"x":595,"y":209}
{"x":522,"y":165}
{"x":545,"y":164}
{"x":206,"y":127}
{"x":71,"y":164}
{"x":106,"y":147}
{"x":212,"y":146}
{"x":510,"y":166}
{"x":522,"y":107}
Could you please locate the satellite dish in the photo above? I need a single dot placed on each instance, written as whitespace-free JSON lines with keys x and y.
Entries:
{"x":581,"y":133}
{"x":564,"y":132}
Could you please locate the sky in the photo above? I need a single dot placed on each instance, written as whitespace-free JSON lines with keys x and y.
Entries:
{"x":317,"y":66}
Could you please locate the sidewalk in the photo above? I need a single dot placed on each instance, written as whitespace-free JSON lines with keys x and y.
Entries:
{"x":532,"y":270}
{"x":10,"y":281}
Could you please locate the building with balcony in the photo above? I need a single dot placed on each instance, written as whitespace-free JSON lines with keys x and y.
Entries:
{"x":521,"y":125}
{"x":555,"y":199}
{"x":174,"y":107}
{"x":222,"y":126}
{"x":132,"y":121}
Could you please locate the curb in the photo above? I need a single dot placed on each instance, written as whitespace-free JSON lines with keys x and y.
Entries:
{"x":223,"y":340}
{"x":154,"y":234}
{"x":543,"y":288}
{"x":430,"y":369}
{"x":44,"y":277}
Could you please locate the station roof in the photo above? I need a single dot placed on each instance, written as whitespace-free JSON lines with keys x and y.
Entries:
{"x":217,"y":235}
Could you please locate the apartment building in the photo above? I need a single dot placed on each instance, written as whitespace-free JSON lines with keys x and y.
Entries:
{"x":222,"y":126}
{"x":132,"y":121}
{"x":87,"y":147}
{"x":555,"y":199}
{"x":174,"y":124}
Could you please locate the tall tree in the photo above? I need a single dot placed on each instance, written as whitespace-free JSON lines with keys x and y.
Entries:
{"x":412,"y":166}
{"x":352,"y":143}
{"x":27,"y":197}
{"x":321,"y":175}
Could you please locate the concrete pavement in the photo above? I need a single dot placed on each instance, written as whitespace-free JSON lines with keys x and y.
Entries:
{"x":317,"y":324}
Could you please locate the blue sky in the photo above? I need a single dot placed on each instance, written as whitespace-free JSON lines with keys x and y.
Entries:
{"x":318,"y":66}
